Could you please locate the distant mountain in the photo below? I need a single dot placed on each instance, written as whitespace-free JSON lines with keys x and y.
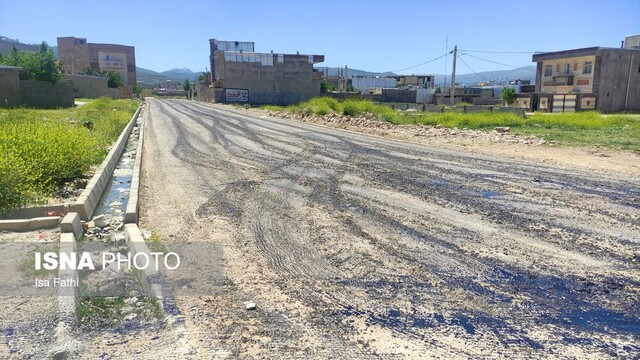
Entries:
{"x":184,"y":74}
{"x":149,"y":78}
{"x":334,"y":71}
{"x":6,"y":45}
{"x":522,"y":73}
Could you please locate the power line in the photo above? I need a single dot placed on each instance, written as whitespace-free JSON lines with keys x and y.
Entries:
{"x":500,"y":52}
{"x":424,"y":63}
{"x":491,"y":61}
{"x":473,"y":71}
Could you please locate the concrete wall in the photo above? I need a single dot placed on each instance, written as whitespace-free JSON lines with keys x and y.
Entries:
{"x":398,"y":95}
{"x":9,"y":86}
{"x":282,"y":83}
{"x":619,"y":85}
{"x":43,"y":94}
{"x":525,"y":101}
{"x":90,"y":87}
{"x":120,"y":93}
{"x":485,"y":101}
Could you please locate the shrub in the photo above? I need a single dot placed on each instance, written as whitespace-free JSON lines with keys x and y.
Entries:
{"x":40,"y":149}
{"x":508,"y":95}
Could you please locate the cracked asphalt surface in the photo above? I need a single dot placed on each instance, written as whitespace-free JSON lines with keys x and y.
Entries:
{"x":354,"y":246}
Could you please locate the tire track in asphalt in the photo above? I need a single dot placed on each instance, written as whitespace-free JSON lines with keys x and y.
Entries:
{"x":574,"y":307}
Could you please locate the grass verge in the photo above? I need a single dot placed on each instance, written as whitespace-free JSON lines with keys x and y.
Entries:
{"x":576,"y":129}
{"x":40,"y":149}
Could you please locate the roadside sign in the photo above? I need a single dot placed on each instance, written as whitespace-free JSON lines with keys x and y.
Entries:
{"x":236,"y":95}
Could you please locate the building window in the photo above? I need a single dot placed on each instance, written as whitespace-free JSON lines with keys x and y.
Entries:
{"x":567,"y":69}
{"x":548,"y":70}
{"x":587,"y":67}
{"x":575,"y":66}
{"x":557,"y":68}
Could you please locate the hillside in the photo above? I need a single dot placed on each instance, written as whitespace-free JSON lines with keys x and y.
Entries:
{"x":522,"y":73}
{"x":334,"y":71}
{"x":149,"y":78}
{"x":6,"y":45}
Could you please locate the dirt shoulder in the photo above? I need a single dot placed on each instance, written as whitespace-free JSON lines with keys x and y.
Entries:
{"x":491,"y":143}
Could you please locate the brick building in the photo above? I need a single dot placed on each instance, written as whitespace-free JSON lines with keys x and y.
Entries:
{"x":77,"y":55}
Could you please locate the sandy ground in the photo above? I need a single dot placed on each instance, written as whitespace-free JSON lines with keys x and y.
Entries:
{"x":27,"y":322}
{"x":355,"y":246}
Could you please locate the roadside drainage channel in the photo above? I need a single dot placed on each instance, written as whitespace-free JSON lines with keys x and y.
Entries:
{"x":134,"y":297}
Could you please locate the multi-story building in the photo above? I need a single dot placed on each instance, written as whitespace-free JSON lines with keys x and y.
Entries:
{"x":426,"y":81}
{"x":78,"y":55}
{"x":607,"y":79}
{"x":239,"y":74}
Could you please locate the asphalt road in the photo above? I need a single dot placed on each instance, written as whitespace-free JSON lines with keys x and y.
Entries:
{"x":355,"y":246}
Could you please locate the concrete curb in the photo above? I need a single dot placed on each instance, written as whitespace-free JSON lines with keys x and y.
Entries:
{"x":65,"y":345}
{"x":36,"y":211}
{"x":30,"y":224}
{"x":150,"y":278}
{"x":131,"y":213}
{"x":67,"y":294}
{"x":88,"y":200}
{"x":71,"y":224}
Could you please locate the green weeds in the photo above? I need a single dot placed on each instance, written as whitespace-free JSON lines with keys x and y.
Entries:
{"x":577,"y":129}
{"x":40,"y":149}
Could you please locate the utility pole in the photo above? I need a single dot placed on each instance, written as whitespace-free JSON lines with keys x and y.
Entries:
{"x":453,"y":75}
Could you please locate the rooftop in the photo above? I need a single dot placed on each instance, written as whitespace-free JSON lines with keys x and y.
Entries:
{"x":575,"y":53}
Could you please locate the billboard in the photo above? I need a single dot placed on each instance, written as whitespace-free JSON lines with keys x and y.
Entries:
{"x":113,"y":61}
{"x":236,"y":95}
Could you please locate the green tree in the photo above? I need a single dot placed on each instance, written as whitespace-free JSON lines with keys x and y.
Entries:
{"x":205,"y":76}
{"x":186,"y":86}
{"x":41,"y":65}
{"x":136,"y":89}
{"x":326,"y":87}
{"x":114,"y":79}
{"x":508,"y":95}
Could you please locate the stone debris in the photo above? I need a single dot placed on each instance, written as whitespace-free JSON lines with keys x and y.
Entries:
{"x":105,"y":228}
{"x":100,"y":221}
{"x":369,"y":124}
{"x":250,"y":306}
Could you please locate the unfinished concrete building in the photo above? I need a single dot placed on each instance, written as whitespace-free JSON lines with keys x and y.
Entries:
{"x":239,"y":74}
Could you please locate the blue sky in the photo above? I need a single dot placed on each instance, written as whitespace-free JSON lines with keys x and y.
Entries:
{"x":369,"y":35}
